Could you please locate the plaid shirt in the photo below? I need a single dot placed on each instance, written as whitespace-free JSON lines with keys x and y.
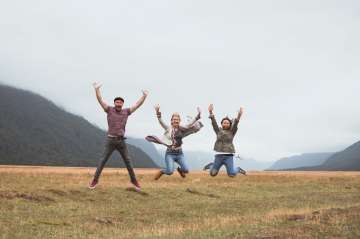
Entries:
{"x":117,"y":121}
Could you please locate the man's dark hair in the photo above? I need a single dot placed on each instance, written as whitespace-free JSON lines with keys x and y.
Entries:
{"x":119,"y":98}
{"x":228,"y":119}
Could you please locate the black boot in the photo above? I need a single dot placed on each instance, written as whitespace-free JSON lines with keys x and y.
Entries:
{"x":208,"y":166}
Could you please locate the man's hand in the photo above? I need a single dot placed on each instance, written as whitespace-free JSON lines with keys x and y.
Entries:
{"x":145,"y":93}
{"x":211,"y":108}
{"x":97,"y":85}
{"x":241,"y":110}
{"x":98,"y":96}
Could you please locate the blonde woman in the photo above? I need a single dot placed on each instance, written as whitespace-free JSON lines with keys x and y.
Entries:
{"x":173,"y":141}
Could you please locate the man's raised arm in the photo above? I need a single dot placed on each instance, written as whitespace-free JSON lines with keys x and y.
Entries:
{"x":98,"y":96}
{"x":139,"y":102}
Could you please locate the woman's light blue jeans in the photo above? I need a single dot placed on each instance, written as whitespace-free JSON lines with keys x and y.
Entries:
{"x":170,"y":159}
{"x":228,"y":161}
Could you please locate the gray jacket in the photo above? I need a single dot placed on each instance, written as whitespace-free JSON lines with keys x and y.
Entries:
{"x":224,"y":138}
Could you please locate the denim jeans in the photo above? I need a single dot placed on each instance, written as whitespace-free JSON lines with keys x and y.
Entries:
{"x":169,"y":163}
{"x":120,"y":145}
{"x":228,"y":161}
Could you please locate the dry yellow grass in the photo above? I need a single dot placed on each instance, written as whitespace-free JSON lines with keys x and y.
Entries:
{"x":54,"y":202}
{"x":66,"y":170}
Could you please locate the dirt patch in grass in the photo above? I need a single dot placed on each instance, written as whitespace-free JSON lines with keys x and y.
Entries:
{"x":193,"y":191}
{"x":52,"y":223}
{"x":104,"y":220}
{"x":307,"y":223}
{"x":9,"y":195}
{"x":57,"y":192}
{"x":307,"y":214}
{"x":74,"y":195}
{"x":296,"y":217}
{"x":331,"y":214}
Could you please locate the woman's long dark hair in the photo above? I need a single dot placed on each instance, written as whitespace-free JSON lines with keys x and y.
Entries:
{"x":228,"y":119}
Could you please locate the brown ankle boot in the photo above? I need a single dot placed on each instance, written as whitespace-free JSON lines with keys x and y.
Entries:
{"x":158,"y":175}
{"x":182,"y":174}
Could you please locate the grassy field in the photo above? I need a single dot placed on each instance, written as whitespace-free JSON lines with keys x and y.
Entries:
{"x":50,"y":202}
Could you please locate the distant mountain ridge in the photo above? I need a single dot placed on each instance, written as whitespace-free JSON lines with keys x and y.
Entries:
{"x":34,"y":131}
{"x":346,"y":160}
{"x":302,"y":160}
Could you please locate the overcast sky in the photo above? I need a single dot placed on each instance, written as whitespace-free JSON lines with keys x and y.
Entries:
{"x":293,"y":65}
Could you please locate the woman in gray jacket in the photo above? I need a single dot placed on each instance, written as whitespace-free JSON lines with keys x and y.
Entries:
{"x":224,"y":146}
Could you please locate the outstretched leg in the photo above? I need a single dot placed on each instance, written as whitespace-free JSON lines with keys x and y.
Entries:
{"x":230,"y":169}
{"x":109,"y":149}
{"x":123,"y":150}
